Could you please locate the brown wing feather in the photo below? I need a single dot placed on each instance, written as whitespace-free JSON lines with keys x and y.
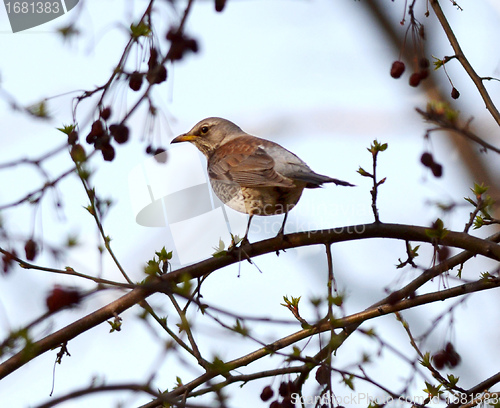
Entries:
{"x":245,"y":164}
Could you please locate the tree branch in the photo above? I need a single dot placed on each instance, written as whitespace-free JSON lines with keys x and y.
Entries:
{"x":478,"y":81}
{"x":474,"y":246}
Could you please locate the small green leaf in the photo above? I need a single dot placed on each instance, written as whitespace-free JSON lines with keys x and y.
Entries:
{"x":163,"y":255}
{"x":376,"y":147}
{"x":218,"y":366}
{"x":470,"y":201}
{"x":479,"y":190}
{"x":426,"y":360}
{"x":66,"y":129}
{"x":437,"y":232}
{"x":239,"y":328}
{"x":140,"y":30}
{"x":453,"y":380}
{"x":433,"y":391}
{"x":152,"y":268}
{"x":349,"y":381}
{"x":291,"y":303}
{"x":178,"y":382}
{"x":39,"y":110}
{"x":116,"y":324}
{"x":364,"y":173}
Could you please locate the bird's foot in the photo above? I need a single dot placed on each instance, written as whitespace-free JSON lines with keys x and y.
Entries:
{"x":244,"y":242}
{"x":281,"y":235}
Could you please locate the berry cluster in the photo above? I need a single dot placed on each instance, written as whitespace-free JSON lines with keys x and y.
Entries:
{"x":61,"y":297}
{"x":101,"y":135}
{"x":180,"y":44}
{"x":398,"y":68}
{"x":156,"y":74}
{"x":428,"y":161}
{"x":446,"y":357}
{"x":286,"y":389}
{"x":420,"y":62}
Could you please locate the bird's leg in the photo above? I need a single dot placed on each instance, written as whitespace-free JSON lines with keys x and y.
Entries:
{"x":245,"y":241}
{"x":281,"y":232}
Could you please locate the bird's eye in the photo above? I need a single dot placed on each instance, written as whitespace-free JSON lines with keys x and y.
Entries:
{"x":204,"y":129}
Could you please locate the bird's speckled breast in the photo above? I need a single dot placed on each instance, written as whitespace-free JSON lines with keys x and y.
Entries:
{"x":257,"y":200}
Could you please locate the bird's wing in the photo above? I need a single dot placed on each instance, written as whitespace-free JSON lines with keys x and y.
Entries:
{"x":242,"y":161}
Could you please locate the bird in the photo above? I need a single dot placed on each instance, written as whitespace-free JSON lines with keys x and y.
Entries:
{"x":249,"y":174}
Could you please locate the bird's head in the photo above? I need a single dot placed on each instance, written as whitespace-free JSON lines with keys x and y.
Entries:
{"x":208,"y":134}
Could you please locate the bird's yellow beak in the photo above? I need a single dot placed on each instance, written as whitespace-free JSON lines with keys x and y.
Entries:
{"x":184,"y":138}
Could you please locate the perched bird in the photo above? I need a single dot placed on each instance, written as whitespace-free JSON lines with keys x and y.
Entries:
{"x":249,"y":174}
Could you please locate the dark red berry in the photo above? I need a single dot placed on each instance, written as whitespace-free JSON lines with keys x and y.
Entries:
{"x":62,"y":297}
{"x":443,"y":253}
{"x":97,"y":128}
{"x":454,"y":93}
{"x":275,"y":404}
{"x":149,"y":149}
{"x":426,"y":159}
{"x":108,"y":152}
{"x":437,"y":170}
{"x":453,"y":359}
{"x":191,"y":44}
{"x":286,"y":388}
{"x":283,"y":389}
{"x":90,"y":138}
{"x":172,"y":35}
{"x":31,"y":249}
{"x":322,"y":375}
{"x":157,"y":75}
{"x":119,"y":132}
{"x":397,"y":69}
{"x":439,"y":360}
{"x":73,"y":137}
{"x":105,"y":113}
{"x":415,"y":79}
{"x":219,"y":5}
{"x":267,"y":393}
{"x":287,"y":402}
{"x":135,"y":81}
